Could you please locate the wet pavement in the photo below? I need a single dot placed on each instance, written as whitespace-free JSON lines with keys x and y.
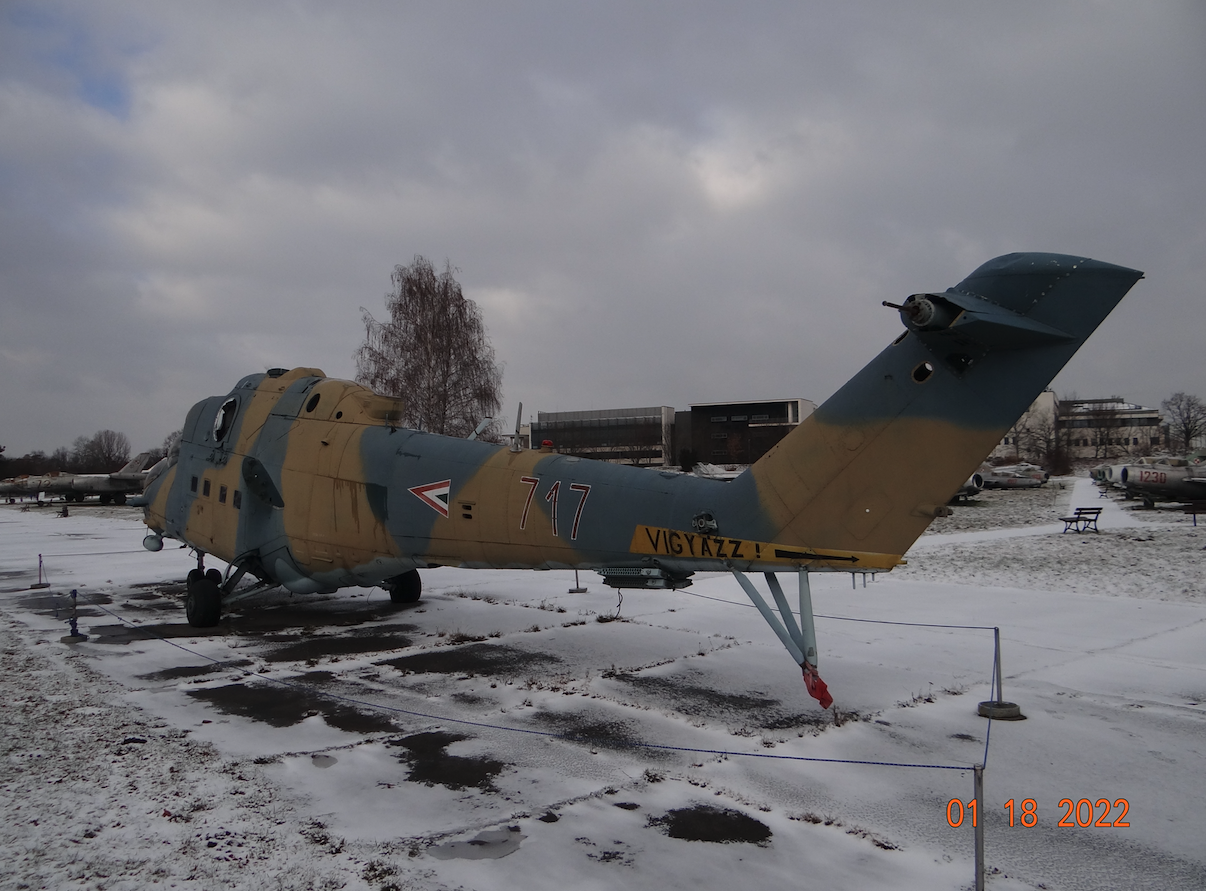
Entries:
{"x":284,"y":706}
{"x":494,"y":660}
{"x":712,"y":824}
{"x":430,"y":763}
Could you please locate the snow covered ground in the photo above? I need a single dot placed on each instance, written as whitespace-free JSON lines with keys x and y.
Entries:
{"x":499,"y":735}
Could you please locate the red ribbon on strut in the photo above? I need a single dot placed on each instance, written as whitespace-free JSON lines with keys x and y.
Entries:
{"x":816,"y":687}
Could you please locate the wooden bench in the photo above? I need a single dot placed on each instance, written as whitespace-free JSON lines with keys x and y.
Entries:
{"x":1195,"y":508}
{"x":1083,"y":520}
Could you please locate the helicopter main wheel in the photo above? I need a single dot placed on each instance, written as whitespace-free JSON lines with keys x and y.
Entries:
{"x":203,"y":603}
{"x":405,"y":588}
{"x":119,"y":498}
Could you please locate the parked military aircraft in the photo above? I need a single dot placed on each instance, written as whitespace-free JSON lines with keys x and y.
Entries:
{"x":111,"y":487}
{"x":1110,"y":475}
{"x":1168,"y":479}
{"x":973,"y":486}
{"x":1016,"y":476}
{"x":311,"y":483}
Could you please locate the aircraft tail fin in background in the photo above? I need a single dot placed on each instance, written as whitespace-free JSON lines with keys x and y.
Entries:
{"x":871,"y":468}
{"x":137,"y":464}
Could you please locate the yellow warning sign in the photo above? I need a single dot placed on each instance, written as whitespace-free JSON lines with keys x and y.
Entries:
{"x":688,"y":545}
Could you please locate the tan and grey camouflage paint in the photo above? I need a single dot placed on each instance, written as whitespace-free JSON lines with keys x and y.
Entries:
{"x":332,"y":493}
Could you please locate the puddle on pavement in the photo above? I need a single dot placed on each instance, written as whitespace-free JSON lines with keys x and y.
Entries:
{"x":363,"y":640}
{"x":712,"y":824}
{"x":697,"y":700}
{"x":173,"y":588}
{"x":492,"y":660}
{"x":317,"y":677}
{"x":180,"y":672}
{"x":594,"y":730}
{"x":268,"y":625}
{"x":281,"y":706}
{"x":24,"y":576}
{"x":154,"y":604}
{"x":472,"y":699}
{"x":336,"y":614}
{"x":57,"y":604}
{"x":431,"y":764}
{"x":124,"y":634}
{"x":488,"y":845}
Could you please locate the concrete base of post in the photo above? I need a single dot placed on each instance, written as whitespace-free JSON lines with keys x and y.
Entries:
{"x":1001,"y":711}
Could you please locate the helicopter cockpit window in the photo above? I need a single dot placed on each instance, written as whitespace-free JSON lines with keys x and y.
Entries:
{"x":224,"y":419}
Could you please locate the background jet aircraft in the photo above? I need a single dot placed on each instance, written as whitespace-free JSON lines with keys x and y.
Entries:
{"x":111,"y":487}
{"x":1016,"y":476}
{"x":310,"y":483}
{"x":973,"y":486}
{"x":1109,"y":474}
{"x":1172,"y":479}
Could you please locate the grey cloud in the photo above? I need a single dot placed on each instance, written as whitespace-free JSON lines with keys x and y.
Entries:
{"x":653,"y":205}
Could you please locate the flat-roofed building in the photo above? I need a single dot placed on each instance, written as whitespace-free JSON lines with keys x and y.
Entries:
{"x":619,"y":435}
{"x":1083,"y":429}
{"x":1111,"y":428}
{"x":742,"y":432}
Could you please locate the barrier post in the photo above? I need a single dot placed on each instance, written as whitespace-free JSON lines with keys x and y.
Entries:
{"x":41,"y":583}
{"x":980,"y":818}
{"x":996,"y":652}
{"x":999,"y":708}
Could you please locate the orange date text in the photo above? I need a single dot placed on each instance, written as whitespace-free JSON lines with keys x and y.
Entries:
{"x":1083,"y":812}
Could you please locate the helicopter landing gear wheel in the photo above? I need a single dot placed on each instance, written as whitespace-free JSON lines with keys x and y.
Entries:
{"x":405,"y":588}
{"x":203,"y":603}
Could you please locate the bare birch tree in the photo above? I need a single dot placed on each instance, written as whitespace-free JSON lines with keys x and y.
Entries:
{"x":432,"y":353}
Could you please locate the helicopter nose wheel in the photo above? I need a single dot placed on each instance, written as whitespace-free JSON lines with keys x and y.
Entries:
{"x":203,"y":602}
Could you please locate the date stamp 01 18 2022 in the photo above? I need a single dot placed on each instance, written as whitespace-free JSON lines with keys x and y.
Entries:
{"x":1082,"y":813}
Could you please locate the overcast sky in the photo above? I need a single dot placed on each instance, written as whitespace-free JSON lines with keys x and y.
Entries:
{"x":652,"y":203}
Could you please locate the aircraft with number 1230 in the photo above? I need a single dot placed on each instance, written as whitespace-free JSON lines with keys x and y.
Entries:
{"x":311,"y":483}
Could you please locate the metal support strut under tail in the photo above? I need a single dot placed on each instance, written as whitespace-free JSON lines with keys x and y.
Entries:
{"x":800,"y":640}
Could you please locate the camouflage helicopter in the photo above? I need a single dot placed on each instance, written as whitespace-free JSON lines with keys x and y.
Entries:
{"x":311,"y":483}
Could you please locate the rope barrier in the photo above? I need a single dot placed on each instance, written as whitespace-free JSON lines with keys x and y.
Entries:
{"x":993,"y":694}
{"x":691,"y":593}
{"x":567,"y":737}
{"x":103,"y":553}
{"x":851,"y":618}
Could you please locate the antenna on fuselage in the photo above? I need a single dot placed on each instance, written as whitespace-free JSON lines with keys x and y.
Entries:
{"x":515,"y":446}
{"x":486,"y":422}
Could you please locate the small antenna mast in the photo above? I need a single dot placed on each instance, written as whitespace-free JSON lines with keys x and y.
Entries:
{"x":515,"y":447}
